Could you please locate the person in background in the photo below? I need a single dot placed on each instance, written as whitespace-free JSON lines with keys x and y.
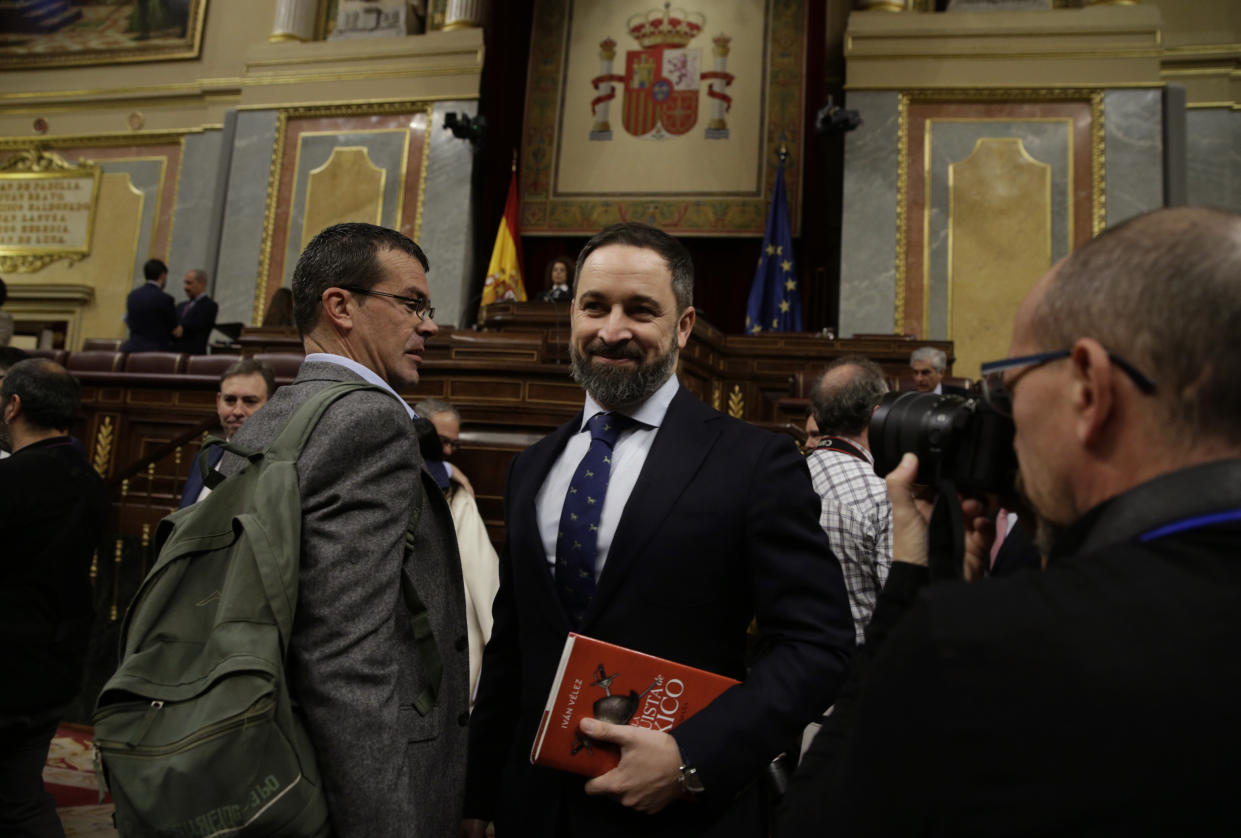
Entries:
{"x":52,"y":516}
{"x":244,"y":388}
{"x":9,"y":355}
{"x":928,"y":365}
{"x":149,"y":312}
{"x":480,"y":566}
{"x":195,"y":316}
{"x":559,"y":281}
{"x":279,"y":309}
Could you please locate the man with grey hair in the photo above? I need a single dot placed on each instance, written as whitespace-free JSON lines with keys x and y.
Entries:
{"x":1099,"y":696}
{"x":195,"y":316}
{"x":856,"y":515}
{"x":928,"y":365}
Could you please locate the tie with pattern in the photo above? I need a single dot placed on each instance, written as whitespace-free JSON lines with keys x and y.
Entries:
{"x":578,"y":537}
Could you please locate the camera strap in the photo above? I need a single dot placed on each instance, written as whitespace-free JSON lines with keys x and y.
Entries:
{"x":835,"y":443}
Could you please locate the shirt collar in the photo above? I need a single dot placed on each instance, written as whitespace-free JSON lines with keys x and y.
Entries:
{"x":650,"y":413}
{"x":366,"y":373}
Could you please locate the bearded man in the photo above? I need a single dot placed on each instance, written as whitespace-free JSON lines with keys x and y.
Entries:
{"x":656,"y":523}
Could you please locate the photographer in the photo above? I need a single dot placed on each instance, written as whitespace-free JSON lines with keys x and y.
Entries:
{"x":1099,"y":696}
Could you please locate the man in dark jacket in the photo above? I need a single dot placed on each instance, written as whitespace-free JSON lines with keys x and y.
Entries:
{"x":149,"y":312}
{"x":1097,"y":697}
{"x":195,"y":316}
{"x":52,"y":513}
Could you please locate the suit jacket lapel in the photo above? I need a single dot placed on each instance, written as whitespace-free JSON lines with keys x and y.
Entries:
{"x":526,"y":544}
{"x":681,"y":444}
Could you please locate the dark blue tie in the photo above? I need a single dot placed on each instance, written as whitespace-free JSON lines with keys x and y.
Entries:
{"x":578,"y":538}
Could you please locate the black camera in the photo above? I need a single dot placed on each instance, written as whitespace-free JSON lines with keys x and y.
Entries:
{"x":958,"y":439}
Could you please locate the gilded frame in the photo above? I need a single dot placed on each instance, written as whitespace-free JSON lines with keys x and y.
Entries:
{"x":38,"y":164}
{"x":1098,"y":176}
{"x":708,"y":214}
{"x":283,"y":116}
{"x":186,"y":47}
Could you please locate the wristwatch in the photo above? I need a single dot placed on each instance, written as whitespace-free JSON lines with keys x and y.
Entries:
{"x":688,"y":777}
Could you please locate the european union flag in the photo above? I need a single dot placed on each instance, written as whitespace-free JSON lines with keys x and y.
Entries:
{"x":775,"y":300}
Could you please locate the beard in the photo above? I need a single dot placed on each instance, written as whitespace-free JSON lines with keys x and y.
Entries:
{"x":614,"y":387}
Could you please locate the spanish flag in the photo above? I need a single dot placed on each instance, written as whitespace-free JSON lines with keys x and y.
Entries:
{"x":504,"y":280}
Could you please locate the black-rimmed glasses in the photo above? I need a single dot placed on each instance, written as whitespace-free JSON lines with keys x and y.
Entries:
{"x":420,"y":306}
{"x":1000,"y":396}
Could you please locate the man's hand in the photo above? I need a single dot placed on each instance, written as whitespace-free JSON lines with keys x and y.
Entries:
{"x":178,"y":331}
{"x":911,"y":516}
{"x":460,"y":479}
{"x":474,"y":828}
{"x":646,"y":779}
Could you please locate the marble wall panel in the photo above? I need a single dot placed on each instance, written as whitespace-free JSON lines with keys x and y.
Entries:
{"x":868,"y":227}
{"x":1133,"y":149}
{"x":447,"y":225}
{"x":199,"y":211}
{"x":244,"y":215}
{"x":1213,"y":146}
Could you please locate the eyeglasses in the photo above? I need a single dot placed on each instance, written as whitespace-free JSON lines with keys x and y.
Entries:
{"x":420,"y":306}
{"x":451,"y":444}
{"x":1000,"y":395}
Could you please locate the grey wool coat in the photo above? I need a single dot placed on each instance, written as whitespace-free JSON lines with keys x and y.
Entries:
{"x":353,"y":669}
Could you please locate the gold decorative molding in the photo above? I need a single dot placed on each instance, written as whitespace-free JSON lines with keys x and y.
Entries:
{"x":736,"y":403}
{"x":103,"y":446}
{"x":283,"y":115}
{"x":717,"y":395}
{"x":348,"y":187}
{"x":1098,"y":163}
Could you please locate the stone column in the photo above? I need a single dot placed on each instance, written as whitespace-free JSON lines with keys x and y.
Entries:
{"x":463,"y":14}
{"x":295,"y":21}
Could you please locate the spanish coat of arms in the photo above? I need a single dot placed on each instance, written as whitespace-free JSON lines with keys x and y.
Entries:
{"x":662,"y":80}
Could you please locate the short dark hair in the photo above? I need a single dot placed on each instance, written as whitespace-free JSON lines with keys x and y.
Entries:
{"x":250,"y":366}
{"x":645,"y":236}
{"x":1160,"y":291}
{"x":846,"y":408}
{"x":50,"y":395}
{"x":10,"y":355}
{"x":343,"y":255}
{"x":154,"y":269}
{"x":4,"y":292}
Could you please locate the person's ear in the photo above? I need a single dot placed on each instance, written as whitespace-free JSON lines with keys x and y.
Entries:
{"x":685,"y":325}
{"x":1093,"y":397}
{"x":12,"y":408}
{"x":338,"y":308}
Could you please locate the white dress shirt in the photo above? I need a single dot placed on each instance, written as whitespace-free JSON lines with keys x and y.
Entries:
{"x":628,"y":457}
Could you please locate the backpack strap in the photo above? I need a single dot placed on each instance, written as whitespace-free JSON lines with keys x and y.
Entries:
{"x":426,"y":649}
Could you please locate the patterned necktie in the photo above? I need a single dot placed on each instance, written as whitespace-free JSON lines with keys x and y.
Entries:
{"x":578,"y":537}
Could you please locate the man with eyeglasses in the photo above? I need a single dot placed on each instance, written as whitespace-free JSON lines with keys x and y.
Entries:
{"x":389,"y":764}
{"x":1100,"y":695}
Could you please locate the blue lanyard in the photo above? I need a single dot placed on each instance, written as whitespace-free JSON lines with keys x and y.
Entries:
{"x":1193,"y":524}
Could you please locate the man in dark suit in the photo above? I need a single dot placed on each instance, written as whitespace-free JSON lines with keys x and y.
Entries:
{"x":195,"y":316}
{"x":391,"y":764}
{"x":244,"y":388}
{"x":52,"y":515}
{"x":1099,"y":696}
{"x":149,"y":312}
{"x":704,"y":524}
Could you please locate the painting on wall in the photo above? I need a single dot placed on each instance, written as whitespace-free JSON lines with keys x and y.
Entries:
{"x":632,"y":106}
{"x":62,"y":33}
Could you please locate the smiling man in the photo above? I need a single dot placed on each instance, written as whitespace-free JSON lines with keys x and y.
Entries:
{"x":653,"y":522}
{"x":363,"y":307}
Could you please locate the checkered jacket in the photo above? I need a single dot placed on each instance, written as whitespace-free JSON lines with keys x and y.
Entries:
{"x":856,"y":516}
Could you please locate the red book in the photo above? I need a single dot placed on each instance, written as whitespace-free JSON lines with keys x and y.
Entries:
{"x":604,"y":681}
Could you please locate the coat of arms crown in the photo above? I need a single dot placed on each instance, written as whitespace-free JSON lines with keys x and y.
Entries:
{"x":665,"y":27}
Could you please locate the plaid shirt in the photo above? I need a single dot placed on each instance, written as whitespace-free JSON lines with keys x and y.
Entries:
{"x":856,"y":516}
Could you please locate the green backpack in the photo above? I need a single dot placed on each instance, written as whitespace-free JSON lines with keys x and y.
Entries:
{"x":196,"y":729}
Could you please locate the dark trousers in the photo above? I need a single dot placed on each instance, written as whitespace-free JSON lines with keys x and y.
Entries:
{"x":26,"y":808}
